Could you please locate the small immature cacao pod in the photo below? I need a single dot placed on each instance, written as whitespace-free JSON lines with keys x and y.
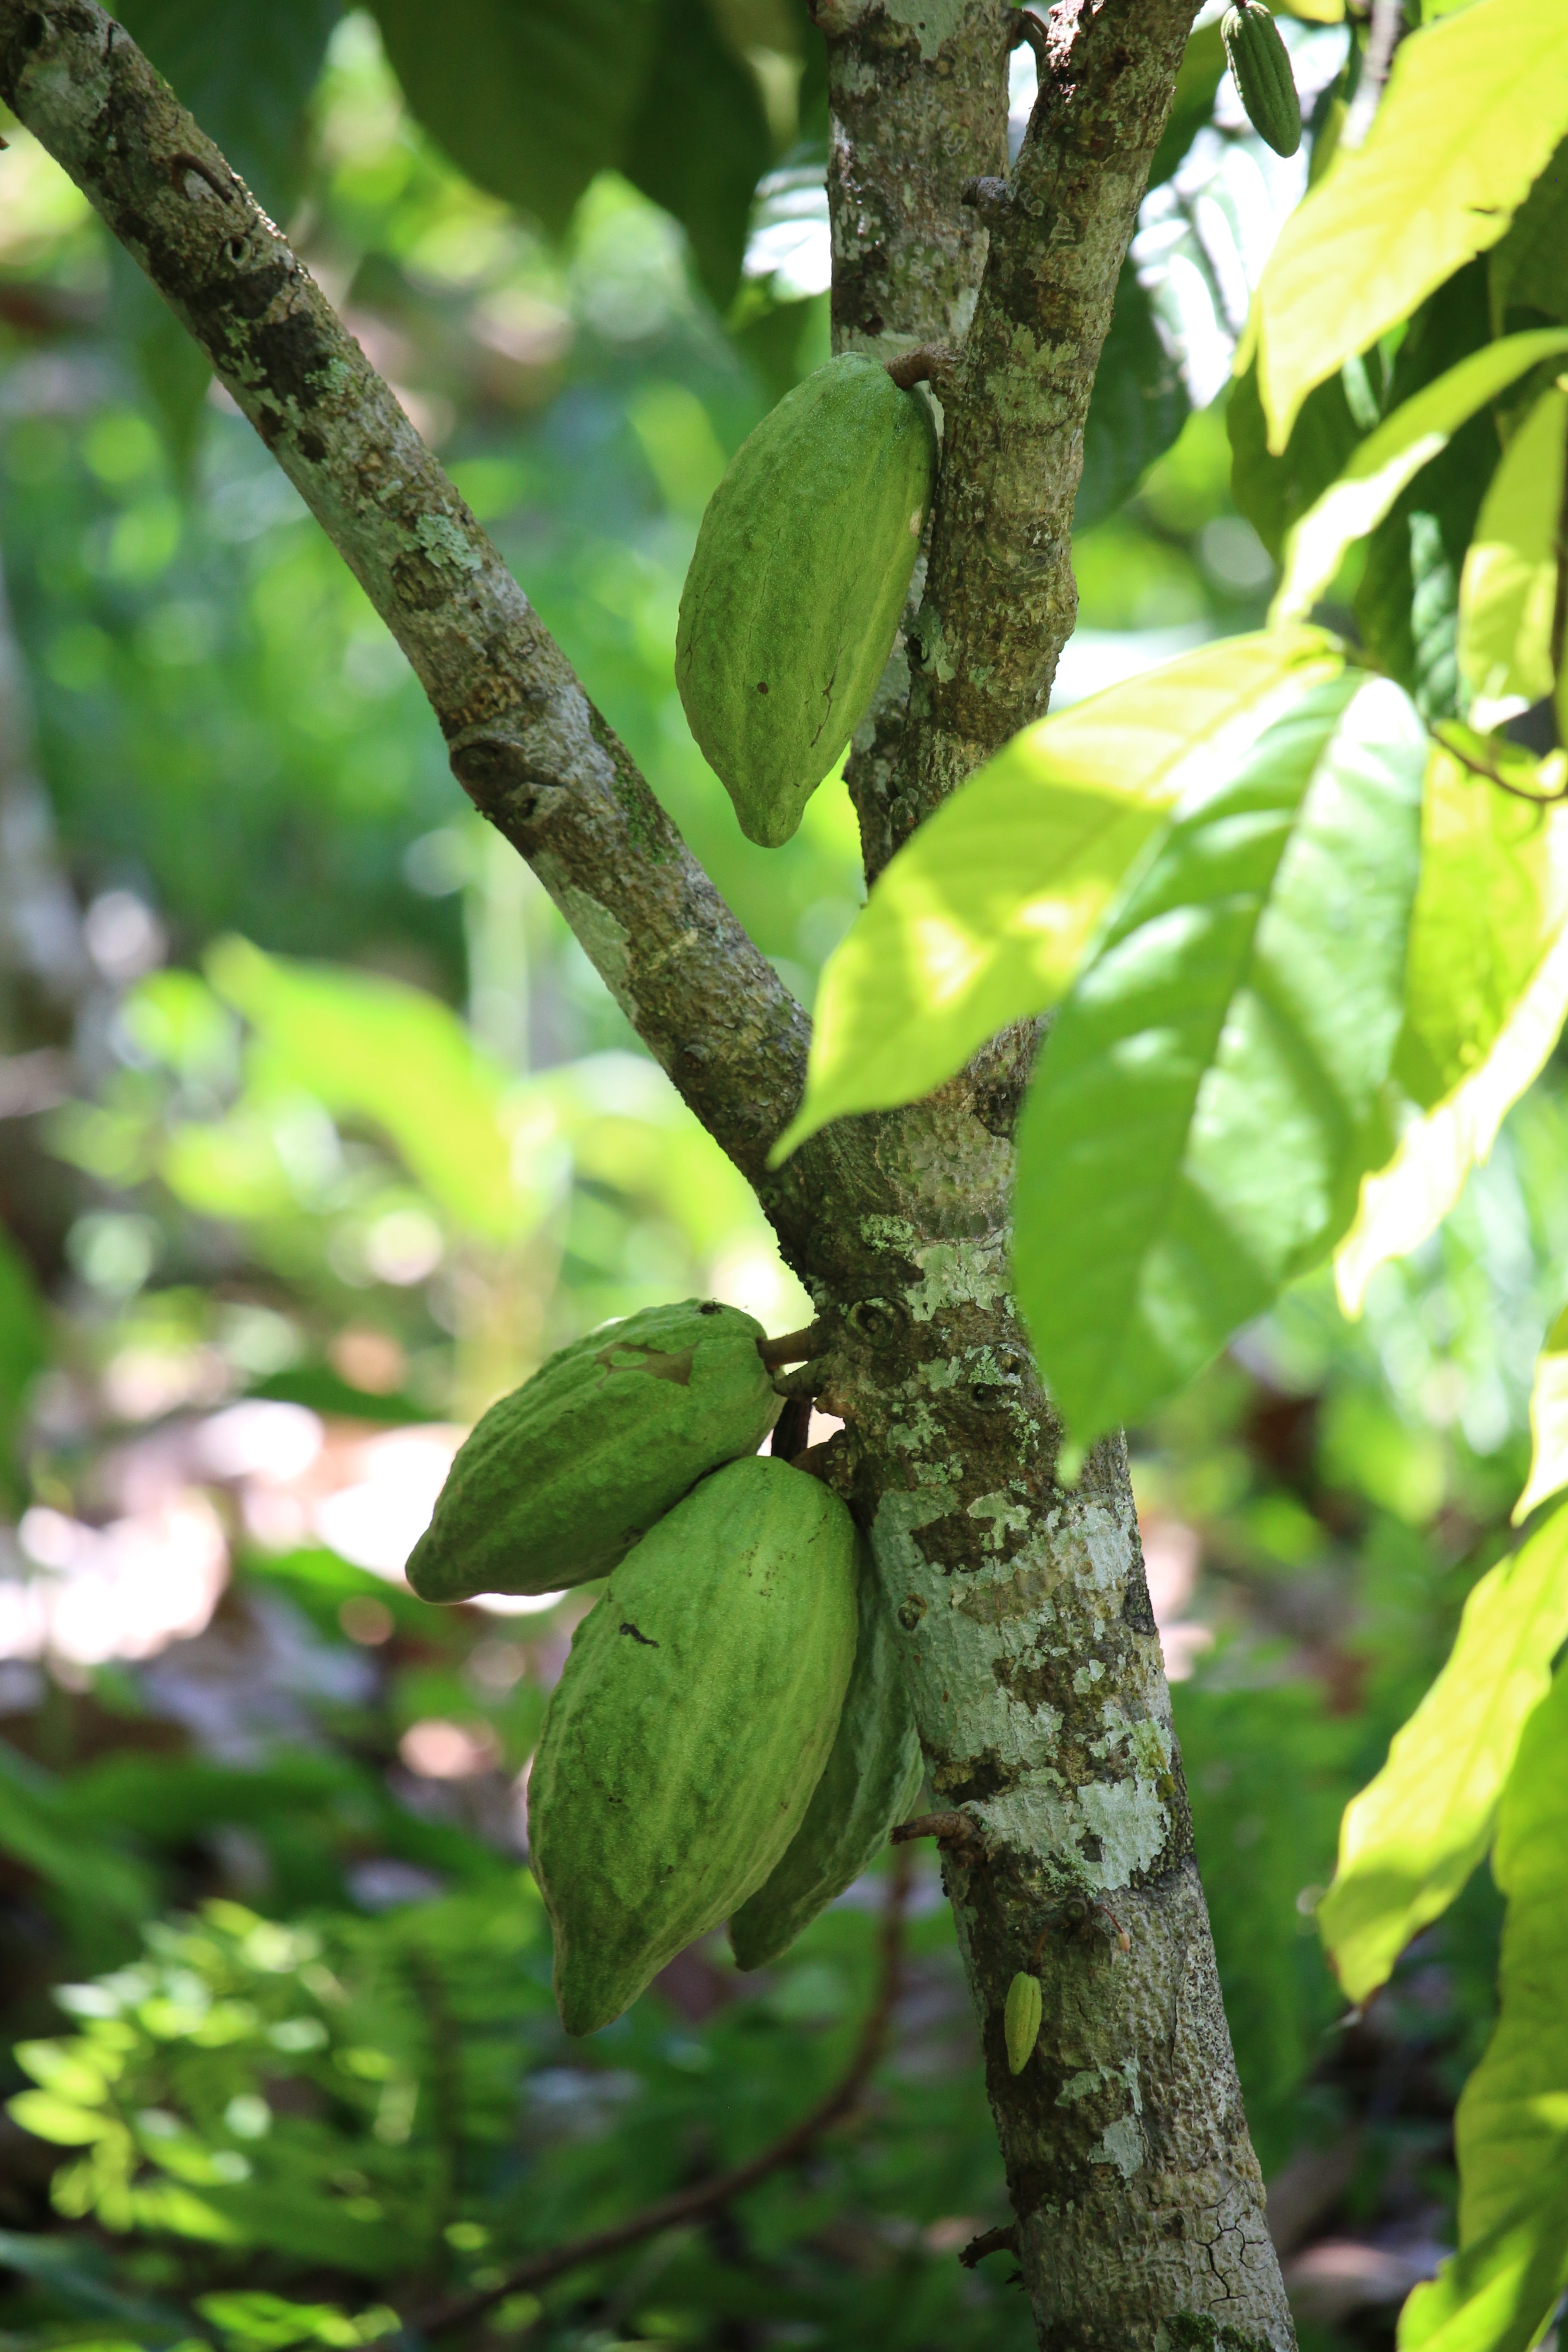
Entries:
{"x":683,"y":1741}
{"x":1021,"y":2020}
{"x":557,"y":1481}
{"x":793,"y":598}
{"x":870,"y":1781}
{"x":1260,"y":67}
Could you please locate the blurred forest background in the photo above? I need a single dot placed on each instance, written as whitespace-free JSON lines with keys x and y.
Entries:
{"x":317,"y":1132}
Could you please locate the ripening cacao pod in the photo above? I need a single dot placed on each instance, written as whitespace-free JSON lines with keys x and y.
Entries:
{"x":683,"y":1741}
{"x":869,"y":1783}
{"x":800,"y":572}
{"x":1260,"y":67}
{"x":1021,"y":2020}
{"x":558,"y":1481}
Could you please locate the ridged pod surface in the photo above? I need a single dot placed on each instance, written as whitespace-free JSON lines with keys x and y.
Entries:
{"x":557,"y":1481}
{"x":1260,"y":67}
{"x":683,"y":1741}
{"x":793,"y":598}
{"x":869,"y":1783}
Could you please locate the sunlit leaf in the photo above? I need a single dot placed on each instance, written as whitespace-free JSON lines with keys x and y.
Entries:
{"x":1487,"y":996}
{"x":1203,"y":1110}
{"x":1548,"y":1422}
{"x":1413,"y":1836}
{"x":1473,"y":109}
{"x":1508,"y":595}
{"x":981,"y":919}
{"x":1392,"y":455}
{"x":1512,"y":2127}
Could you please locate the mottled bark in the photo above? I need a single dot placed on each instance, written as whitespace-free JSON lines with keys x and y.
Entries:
{"x":1000,"y":602}
{"x":1021,"y":1607}
{"x":918,"y":110}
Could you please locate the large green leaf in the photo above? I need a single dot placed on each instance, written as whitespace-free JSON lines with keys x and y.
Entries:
{"x":529,"y":100}
{"x":1392,"y":455}
{"x":981,"y":919}
{"x":1136,"y":410}
{"x":1530,"y":268}
{"x":388,"y":1053}
{"x":699,"y":143}
{"x":1508,"y":595}
{"x":1486,"y":996}
{"x":1406,"y":602}
{"x":246,"y":71}
{"x":1413,"y":1836}
{"x":1204,"y":1110}
{"x":1198,"y":78}
{"x":1474,"y":108}
{"x":1272,"y":489}
{"x":1511,"y":2128}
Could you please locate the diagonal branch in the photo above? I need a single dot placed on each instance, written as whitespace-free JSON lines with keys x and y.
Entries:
{"x":525,"y":742}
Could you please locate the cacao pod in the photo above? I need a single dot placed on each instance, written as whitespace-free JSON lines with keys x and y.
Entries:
{"x":1021,"y":2020}
{"x":793,"y":598}
{"x":1260,"y":67}
{"x":869,"y":1783}
{"x":683,"y":1741}
{"x":558,"y":1481}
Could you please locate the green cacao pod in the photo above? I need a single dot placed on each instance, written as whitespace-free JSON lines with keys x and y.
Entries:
{"x":558,"y":1481}
{"x":869,"y":1783}
{"x":683,"y":1741}
{"x":1021,"y":2020}
{"x":1260,"y":67}
{"x":800,"y":572}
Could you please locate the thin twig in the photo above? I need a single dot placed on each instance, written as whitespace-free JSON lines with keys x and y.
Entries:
{"x":691,"y":2204}
{"x":1492,"y":774}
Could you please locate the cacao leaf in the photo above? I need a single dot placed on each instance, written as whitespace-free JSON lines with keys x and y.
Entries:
{"x":1207,"y":1100}
{"x":1474,"y":108}
{"x":1497,"y":2294}
{"x":982,"y":917}
{"x":1413,"y":1836}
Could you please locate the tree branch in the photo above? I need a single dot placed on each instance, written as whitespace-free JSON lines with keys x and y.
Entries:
{"x":524,"y":740}
{"x":687,"y":2205}
{"x":1000,"y":602}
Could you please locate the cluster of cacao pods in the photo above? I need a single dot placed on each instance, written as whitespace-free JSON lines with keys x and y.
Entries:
{"x":793,"y":597}
{"x":730,"y":1738}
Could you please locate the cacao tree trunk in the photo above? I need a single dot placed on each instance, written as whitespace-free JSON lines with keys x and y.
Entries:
{"x":1021,"y":1608}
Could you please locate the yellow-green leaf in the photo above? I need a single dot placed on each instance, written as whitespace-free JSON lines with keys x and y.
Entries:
{"x":1512,"y":2128}
{"x":983,"y":917}
{"x":1413,"y":1836}
{"x":1393,"y":455}
{"x":48,"y":2117}
{"x":1548,"y":1422}
{"x":1493,"y":896}
{"x":1485,"y":997}
{"x":1474,"y":108}
{"x":1508,"y":592}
